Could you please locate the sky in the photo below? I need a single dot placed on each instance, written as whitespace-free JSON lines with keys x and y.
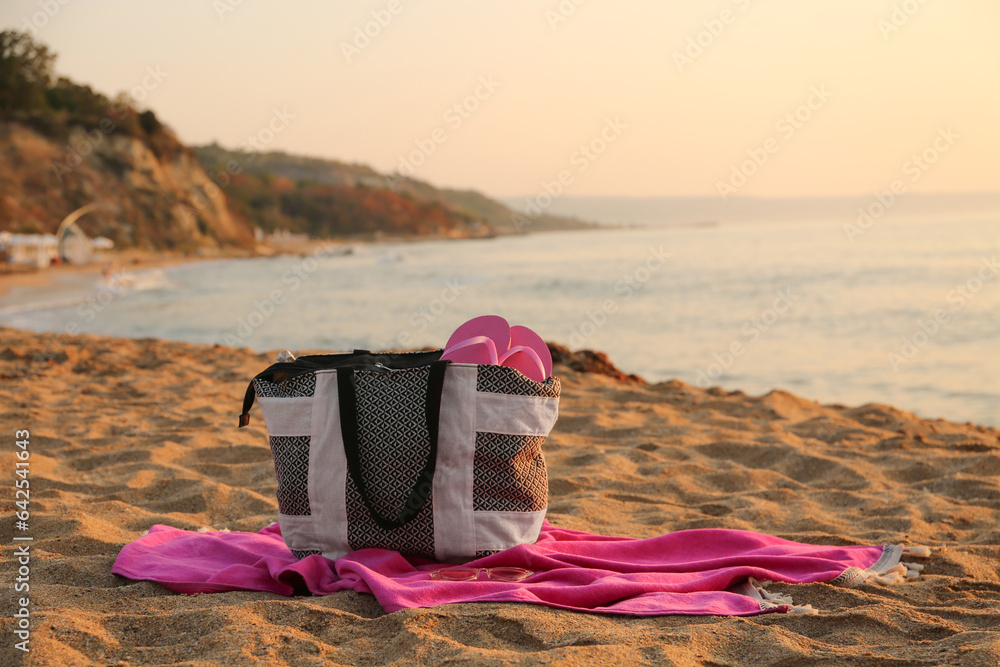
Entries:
{"x":765,"y":98}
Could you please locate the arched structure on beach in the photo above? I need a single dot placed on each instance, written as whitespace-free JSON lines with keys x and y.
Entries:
{"x":74,"y":245}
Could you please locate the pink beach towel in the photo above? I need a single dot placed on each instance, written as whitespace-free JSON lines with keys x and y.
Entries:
{"x":705,"y":571}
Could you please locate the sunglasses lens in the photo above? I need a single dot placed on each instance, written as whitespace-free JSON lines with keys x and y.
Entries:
{"x":455,"y":573}
{"x":509,"y":573}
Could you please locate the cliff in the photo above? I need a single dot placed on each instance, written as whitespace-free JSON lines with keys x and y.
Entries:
{"x":152,"y":195}
{"x":64,"y":146}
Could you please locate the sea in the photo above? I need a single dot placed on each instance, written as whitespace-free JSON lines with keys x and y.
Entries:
{"x":897,"y":311}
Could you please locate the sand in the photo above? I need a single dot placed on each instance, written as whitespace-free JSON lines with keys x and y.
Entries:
{"x":128,"y":433}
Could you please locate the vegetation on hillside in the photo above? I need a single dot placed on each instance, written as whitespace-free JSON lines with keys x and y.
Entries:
{"x":80,"y":158}
{"x":64,"y":145}
{"x":321,"y":197}
{"x":31,"y":93}
{"x":325,"y":211}
{"x":325,"y":199}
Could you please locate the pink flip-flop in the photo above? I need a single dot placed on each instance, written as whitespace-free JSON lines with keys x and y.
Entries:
{"x":525,"y":360}
{"x":475,"y":350}
{"x":493,"y":327}
{"x":523,"y":336}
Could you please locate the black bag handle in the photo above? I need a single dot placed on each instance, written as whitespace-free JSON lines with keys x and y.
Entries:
{"x":310,"y":363}
{"x":419,"y":495}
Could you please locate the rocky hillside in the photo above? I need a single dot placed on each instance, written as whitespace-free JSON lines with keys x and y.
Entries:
{"x":321,"y":197}
{"x":148,"y":197}
{"x":328,"y":199}
{"x":64,"y":146}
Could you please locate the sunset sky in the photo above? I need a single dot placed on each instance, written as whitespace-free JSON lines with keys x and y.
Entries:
{"x":826,"y":97}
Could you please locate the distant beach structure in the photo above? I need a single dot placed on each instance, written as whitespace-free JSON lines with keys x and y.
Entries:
{"x":69,"y":244}
{"x":39,"y":251}
{"x":29,"y":250}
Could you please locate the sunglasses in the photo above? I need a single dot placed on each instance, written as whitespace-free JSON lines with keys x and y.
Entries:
{"x":472,"y":573}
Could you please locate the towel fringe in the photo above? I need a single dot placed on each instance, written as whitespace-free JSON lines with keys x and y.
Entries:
{"x":803,"y":609}
{"x":776,"y":597}
{"x":900,"y":572}
{"x":889,"y":579}
{"x":896,"y":574}
{"x":913,"y":570}
{"x":770,"y":600}
{"x":918,"y":551}
{"x":888,"y":570}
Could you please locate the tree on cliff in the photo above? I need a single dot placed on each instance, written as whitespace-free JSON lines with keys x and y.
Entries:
{"x":25,"y":72}
{"x":32,"y":94}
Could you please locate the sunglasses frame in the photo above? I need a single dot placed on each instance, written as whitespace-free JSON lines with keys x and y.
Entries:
{"x":516,"y":573}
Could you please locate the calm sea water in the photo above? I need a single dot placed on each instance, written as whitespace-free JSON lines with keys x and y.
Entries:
{"x":907,"y":314}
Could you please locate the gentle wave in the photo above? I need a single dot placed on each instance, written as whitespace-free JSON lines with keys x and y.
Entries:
{"x":117,"y":284}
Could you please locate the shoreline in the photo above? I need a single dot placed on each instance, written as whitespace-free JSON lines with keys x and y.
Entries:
{"x":187,"y":289}
{"x":140,"y":260}
{"x":586,"y":362}
{"x":131,"y":260}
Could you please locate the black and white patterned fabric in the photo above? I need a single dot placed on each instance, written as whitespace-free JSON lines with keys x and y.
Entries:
{"x":291,"y":467}
{"x":509,"y":473}
{"x":300,"y":386}
{"x":394,"y":445}
{"x":477,"y":454}
{"x":416,"y":537}
{"x":503,"y":380}
{"x":302,"y":553}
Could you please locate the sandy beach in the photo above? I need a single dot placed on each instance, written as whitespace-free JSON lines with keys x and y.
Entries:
{"x":128,"y":433}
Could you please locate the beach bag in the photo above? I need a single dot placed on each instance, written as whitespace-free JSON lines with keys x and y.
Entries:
{"x":404,"y":451}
